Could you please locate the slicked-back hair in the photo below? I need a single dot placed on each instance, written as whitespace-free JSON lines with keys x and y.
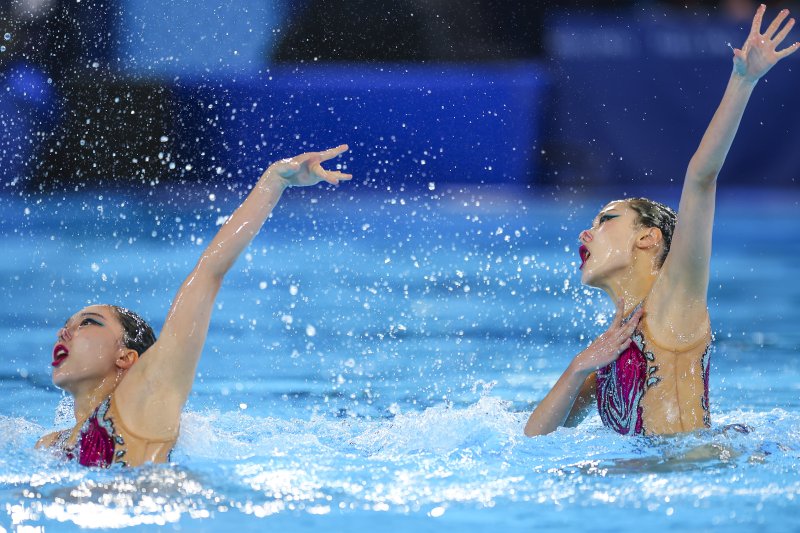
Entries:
{"x":137,"y":333}
{"x":652,"y":214}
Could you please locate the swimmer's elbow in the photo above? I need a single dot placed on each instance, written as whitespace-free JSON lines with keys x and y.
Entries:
{"x":46,"y":441}
{"x":704,"y":175}
{"x":532,"y":430}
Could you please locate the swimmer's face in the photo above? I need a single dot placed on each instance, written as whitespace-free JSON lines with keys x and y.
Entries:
{"x":607,"y":247}
{"x":87,"y":349}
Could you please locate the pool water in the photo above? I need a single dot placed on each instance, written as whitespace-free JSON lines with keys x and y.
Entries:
{"x":374,"y":356}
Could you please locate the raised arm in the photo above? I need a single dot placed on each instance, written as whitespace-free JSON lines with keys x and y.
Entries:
{"x":153,"y":392}
{"x":685,"y":272}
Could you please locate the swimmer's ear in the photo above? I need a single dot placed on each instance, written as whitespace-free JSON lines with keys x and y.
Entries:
{"x":127,"y":359}
{"x":649,"y":237}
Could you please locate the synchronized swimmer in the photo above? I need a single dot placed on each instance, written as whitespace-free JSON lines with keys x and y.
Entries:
{"x":129,"y":388}
{"x":648,"y":374}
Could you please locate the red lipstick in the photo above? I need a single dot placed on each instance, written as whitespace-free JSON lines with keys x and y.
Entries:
{"x":584,"y":253}
{"x":60,"y":353}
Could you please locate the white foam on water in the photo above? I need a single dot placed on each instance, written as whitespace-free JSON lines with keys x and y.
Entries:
{"x":472,"y":457}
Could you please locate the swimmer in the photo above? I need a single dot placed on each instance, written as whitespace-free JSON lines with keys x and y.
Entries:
{"x":129,"y":388}
{"x":648,"y":373}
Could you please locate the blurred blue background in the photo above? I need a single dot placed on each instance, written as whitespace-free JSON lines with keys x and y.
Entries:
{"x":561,"y":93}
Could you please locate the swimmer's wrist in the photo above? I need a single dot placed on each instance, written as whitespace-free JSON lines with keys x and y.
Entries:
{"x":577,"y":369}
{"x":743,"y":80}
{"x":272,"y":180}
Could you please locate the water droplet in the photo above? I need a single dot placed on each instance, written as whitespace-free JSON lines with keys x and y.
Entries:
{"x":437,"y":512}
{"x":7,"y":36}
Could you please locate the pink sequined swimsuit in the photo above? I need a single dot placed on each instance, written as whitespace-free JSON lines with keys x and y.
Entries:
{"x":622,"y":385}
{"x":100,"y":443}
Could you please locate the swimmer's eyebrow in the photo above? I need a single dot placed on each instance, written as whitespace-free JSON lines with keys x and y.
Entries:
{"x":609,"y":211}
{"x":88,"y":313}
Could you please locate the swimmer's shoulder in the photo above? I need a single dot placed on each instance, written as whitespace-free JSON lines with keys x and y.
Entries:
{"x":673,"y":317}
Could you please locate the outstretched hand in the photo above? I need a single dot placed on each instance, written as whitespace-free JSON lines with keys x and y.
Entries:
{"x":759,"y":53}
{"x":306,"y":169}
{"x":609,"y":346}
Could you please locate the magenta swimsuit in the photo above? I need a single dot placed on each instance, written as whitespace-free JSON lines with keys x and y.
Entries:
{"x":104,"y":441}
{"x":622,"y":384}
{"x":96,"y":441}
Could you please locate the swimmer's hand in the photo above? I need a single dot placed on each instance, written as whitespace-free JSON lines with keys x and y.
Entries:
{"x":306,"y":169}
{"x":759,"y":53}
{"x":610,"y":345}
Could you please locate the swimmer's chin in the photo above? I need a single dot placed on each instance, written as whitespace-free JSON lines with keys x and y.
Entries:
{"x":587,"y":278}
{"x":60,"y":378}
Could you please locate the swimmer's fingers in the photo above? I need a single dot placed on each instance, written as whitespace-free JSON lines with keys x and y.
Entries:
{"x":333,"y":152}
{"x":772,"y":29}
{"x":331,"y":176}
{"x":630,"y":327}
{"x":781,"y":35}
{"x":757,"y":19}
{"x":788,"y":51}
{"x":334,"y":176}
{"x":623,"y":334}
{"x":636,"y":317}
{"x":633,"y":322}
{"x":628,"y":330}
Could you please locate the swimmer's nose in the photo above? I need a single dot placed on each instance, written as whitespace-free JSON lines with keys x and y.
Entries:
{"x":585,"y":236}
{"x":64,"y":334}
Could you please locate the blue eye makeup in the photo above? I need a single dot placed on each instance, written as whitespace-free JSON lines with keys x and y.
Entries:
{"x":90,"y":321}
{"x":605,"y":217}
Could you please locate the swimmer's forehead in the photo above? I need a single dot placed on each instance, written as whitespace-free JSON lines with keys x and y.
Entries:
{"x":92,"y":311}
{"x":617,"y":207}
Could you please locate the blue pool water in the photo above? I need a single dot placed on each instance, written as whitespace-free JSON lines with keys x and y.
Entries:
{"x":374,"y":356}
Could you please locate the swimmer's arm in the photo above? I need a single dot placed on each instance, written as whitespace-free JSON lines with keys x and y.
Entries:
{"x":563,"y":405}
{"x":586,"y":399}
{"x":156,"y":387}
{"x":48,"y":440}
{"x":572,"y":395}
{"x":686,"y":270}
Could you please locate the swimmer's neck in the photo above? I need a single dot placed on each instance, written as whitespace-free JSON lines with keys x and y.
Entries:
{"x":88,"y":395}
{"x":633,"y":284}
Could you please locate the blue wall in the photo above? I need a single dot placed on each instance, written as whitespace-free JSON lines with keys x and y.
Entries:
{"x":405,"y":124}
{"x":620,"y":98}
{"x":634,"y":92}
